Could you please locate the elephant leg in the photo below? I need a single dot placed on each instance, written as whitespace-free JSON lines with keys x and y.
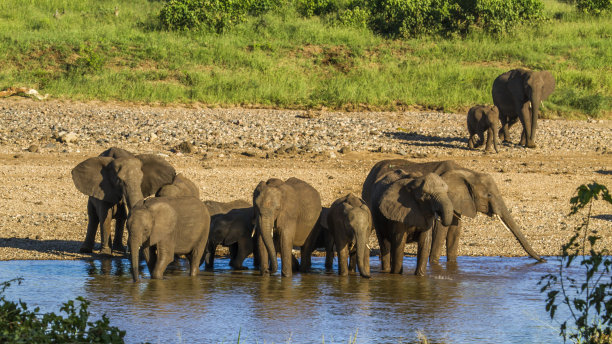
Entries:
{"x":241,"y":252}
{"x":352,"y":260}
{"x":195,"y":258}
{"x":385,"y":247}
{"x":423,"y":250}
{"x":209,"y":256}
{"x":438,"y":238}
{"x":452,"y":240}
{"x":343,"y":251}
{"x":92,"y":228}
{"x":329,"y":257}
{"x":165,"y":255}
{"x":489,"y":140}
{"x":525,"y":118}
{"x":150,"y":256}
{"x":105,"y":215}
{"x":286,"y":244}
{"x":397,"y":250}
{"x":480,"y":139}
{"x":306,"y":253}
{"x":120,"y":219}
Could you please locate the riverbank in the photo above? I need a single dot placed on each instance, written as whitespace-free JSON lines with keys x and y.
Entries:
{"x":43,"y":216}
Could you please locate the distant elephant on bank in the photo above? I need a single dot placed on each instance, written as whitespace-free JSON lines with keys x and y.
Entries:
{"x":231,"y":225}
{"x":181,"y":186}
{"x":287,"y":215}
{"x":518,"y":94}
{"x":404,"y":207}
{"x":350,"y":223}
{"x":481,"y":119}
{"x":113,"y":180}
{"x":164,"y":227}
{"x":470,"y":192}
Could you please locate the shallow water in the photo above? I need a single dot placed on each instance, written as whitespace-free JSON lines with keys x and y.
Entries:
{"x":482,"y":300}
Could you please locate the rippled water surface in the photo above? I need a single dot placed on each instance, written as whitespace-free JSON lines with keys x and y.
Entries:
{"x":482,"y":300}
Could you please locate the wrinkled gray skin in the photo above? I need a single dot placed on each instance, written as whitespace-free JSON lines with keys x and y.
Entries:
{"x":287,"y":215}
{"x":518,"y":94}
{"x":481,"y":119}
{"x":350,"y":223}
{"x":231,"y":225}
{"x":181,"y":187}
{"x":403,"y":208}
{"x":164,"y":227}
{"x":113,"y":180}
{"x":469,"y":191}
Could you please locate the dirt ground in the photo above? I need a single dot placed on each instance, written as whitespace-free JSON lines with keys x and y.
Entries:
{"x":43,"y":216}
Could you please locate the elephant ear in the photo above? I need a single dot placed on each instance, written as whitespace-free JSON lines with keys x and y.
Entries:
{"x":156,"y":171}
{"x":397,"y":202}
{"x":460,"y":185}
{"x":549,"y":84}
{"x":92,"y":178}
{"x":323,"y":218}
{"x":164,"y":221}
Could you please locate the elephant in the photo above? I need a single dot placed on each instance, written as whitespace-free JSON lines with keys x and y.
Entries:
{"x":350,"y":223}
{"x":180,"y":186}
{"x":114,"y":180}
{"x":470,"y":192}
{"x":404,"y":207}
{"x":518,"y":94}
{"x":483,"y":118}
{"x":164,"y":227}
{"x":231,"y":224}
{"x":286,"y":215}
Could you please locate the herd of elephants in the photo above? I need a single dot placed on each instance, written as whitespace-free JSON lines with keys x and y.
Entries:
{"x":401,"y":200}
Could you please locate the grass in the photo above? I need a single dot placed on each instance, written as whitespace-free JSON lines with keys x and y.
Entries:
{"x":282,"y":60}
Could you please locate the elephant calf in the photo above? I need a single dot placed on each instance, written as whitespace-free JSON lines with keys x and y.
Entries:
{"x":483,"y":118}
{"x":231,"y":225}
{"x":165,"y":226}
{"x":350,"y":223}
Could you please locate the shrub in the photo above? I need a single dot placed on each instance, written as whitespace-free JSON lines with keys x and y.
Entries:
{"x":212,"y":15}
{"x":20,"y":325}
{"x":589,"y":301}
{"x":309,"y":8}
{"x":594,"y":6}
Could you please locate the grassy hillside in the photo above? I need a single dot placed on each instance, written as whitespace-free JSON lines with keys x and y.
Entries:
{"x":81,"y":50}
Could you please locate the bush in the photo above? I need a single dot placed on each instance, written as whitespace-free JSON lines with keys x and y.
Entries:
{"x":20,"y":325}
{"x":594,"y":6}
{"x":590,"y":301}
{"x":212,"y":15}
{"x":309,"y":8}
{"x":404,"y":18}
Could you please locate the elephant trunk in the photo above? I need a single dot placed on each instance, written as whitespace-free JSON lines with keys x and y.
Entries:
{"x":444,"y":208}
{"x":132,"y":196}
{"x":266,"y":230}
{"x":134,"y":243}
{"x":363,"y":253}
{"x":510,"y":224}
{"x":530,"y":131}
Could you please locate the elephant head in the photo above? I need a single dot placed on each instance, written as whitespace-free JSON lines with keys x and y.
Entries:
{"x":415,"y":199}
{"x":131,"y":177}
{"x":180,"y":187}
{"x":269,"y":201}
{"x":472,"y":192}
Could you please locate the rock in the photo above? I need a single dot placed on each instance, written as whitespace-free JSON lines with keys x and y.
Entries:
{"x":345,"y":150}
{"x":185,"y":147}
{"x":33,"y":149}
{"x":67,"y":137}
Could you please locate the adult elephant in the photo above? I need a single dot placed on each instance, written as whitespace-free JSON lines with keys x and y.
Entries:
{"x":113,"y":180}
{"x":470,"y":192}
{"x":286,"y":215}
{"x":404,"y":207}
{"x":518,"y":94}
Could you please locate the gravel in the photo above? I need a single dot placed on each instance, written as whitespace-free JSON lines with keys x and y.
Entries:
{"x":228,"y":151}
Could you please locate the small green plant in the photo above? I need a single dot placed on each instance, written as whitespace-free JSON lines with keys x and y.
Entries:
{"x":589,"y":301}
{"x":88,"y":62}
{"x":18,"y":324}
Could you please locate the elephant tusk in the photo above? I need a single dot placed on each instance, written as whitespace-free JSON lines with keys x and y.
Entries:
{"x":368,"y":246}
{"x":253,"y":232}
{"x":502,"y":221}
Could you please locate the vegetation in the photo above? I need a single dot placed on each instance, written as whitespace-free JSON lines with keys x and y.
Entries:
{"x":588,"y":301}
{"x":18,"y":324}
{"x":308,"y":54}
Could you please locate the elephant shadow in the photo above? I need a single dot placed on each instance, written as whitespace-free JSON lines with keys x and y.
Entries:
{"x":416,"y":139}
{"x":604,"y":172}
{"x":59,"y":248}
{"x":605,"y":217}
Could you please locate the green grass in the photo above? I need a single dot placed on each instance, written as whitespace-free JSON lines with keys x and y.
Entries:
{"x":282,"y":60}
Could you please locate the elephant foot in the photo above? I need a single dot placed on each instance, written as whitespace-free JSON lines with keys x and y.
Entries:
{"x":119,"y":249}
{"x":84,"y":249}
{"x":531,"y":145}
{"x":106,"y":251}
{"x":240,"y":267}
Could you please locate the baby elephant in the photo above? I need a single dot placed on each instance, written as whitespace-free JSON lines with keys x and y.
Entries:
{"x":165,"y":226}
{"x":181,"y":186}
{"x":350,"y":222}
{"x":483,"y":118}
{"x":231,"y":224}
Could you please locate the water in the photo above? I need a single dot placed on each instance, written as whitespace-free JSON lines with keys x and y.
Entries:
{"x":482,"y":300}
